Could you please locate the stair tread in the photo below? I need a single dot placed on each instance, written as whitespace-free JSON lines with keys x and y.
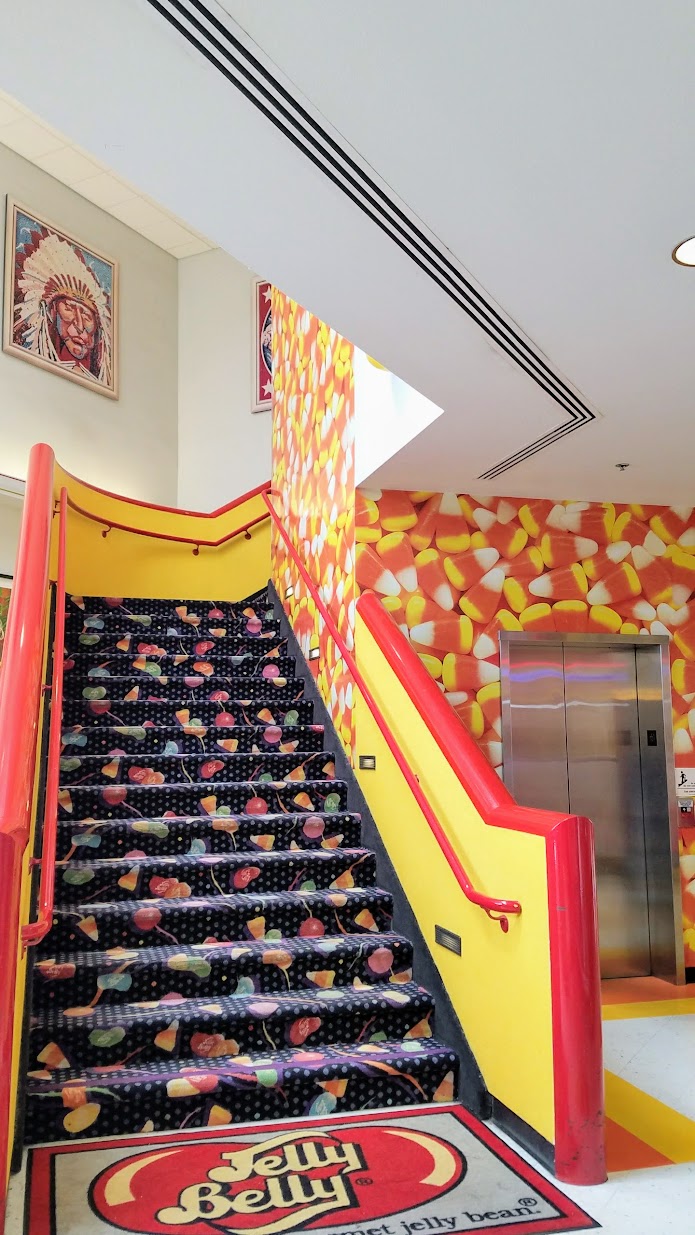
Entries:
{"x":280,"y":1004}
{"x":185,"y":861}
{"x":149,"y":956}
{"x":390,"y":1052}
{"x":260,"y":899}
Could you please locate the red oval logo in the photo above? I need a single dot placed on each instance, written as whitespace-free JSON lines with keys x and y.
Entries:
{"x":306,"y":1180}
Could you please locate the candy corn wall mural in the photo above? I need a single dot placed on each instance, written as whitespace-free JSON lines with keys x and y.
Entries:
{"x":314,"y":475}
{"x":454,"y":570}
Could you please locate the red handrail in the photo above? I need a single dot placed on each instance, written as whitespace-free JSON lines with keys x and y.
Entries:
{"x":20,"y":706}
{"x":495,"y":907}
{"x":111,"y":526}
{"x":176,"y":510}
{"x":34,"y":932}
{"x":572,"y":918}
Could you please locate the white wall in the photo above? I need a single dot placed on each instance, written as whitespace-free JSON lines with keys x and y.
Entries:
{"x":224,"y":448}
{"x":128,"y":445}
{"x":388,"y":415}
{"x":10,"y":519}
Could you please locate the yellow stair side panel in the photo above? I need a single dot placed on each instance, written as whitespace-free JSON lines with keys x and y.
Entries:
{"x":500,"y":985}
{"x":126,"y":564}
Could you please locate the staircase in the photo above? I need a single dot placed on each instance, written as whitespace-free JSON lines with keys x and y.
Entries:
{"x":220,"y":949}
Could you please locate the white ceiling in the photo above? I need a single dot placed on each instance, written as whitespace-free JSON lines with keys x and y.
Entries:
{"x":54,"y":153}
{"x":544,"y":146}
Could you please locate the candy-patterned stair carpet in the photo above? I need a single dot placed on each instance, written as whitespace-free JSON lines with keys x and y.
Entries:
{"x":220,"y":949}
{"x":427,"y":1172}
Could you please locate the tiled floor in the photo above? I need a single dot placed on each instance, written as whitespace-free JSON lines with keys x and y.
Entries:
{"x":649,"y":1029}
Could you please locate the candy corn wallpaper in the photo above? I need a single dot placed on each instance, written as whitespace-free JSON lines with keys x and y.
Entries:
{"x":314,"y":476}
{"x":454,"y":569}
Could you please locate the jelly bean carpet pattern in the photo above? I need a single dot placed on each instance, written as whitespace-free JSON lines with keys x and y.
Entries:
{"x":220,"y":948}
{"x":454,"y":570}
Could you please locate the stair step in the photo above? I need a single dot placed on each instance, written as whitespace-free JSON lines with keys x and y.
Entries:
{"x":153,"y":739}
{"x":206,"y":970}
{"x":85,"y":606}
{"x":226,"y":1026}
{"x":274,"y":1085}
{"x":240,"y":710}
{"x":105,"y":838}
{"x":100,"y":667}
{"x":171,"y":769}
{"x":118,"y":626}
{"x":206,"y":964}
{"x":131,"y":878}
{"x":239,"y":916}
{"x":142,"y":687}
{"x":110,"y":643}
{"x":250,"y":797}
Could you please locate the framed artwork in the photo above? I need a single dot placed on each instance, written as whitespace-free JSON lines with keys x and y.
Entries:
{"x":262,"y":346}
{"x":5,"y":594}
{"x":61,"y":302}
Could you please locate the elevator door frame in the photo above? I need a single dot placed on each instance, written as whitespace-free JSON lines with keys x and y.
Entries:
{"x":664,"y":910}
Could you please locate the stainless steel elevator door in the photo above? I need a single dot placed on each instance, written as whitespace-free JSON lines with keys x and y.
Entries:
{"x":605,"y":783}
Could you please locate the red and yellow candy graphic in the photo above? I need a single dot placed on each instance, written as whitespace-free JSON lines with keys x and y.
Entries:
{"x":454,"y":570}
{"x":314,"y":474}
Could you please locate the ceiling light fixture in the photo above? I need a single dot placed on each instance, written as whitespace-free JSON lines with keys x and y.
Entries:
{"x":684,"y":253}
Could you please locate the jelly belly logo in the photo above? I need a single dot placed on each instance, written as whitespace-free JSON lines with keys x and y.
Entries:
{"x":293,"y":1181}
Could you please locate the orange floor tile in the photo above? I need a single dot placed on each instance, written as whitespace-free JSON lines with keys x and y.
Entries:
{"x":625,"y":1152}
{"x":642,"y":990}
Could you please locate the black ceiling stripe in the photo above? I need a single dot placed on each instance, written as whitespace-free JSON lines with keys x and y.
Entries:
{"x":243,"y":70}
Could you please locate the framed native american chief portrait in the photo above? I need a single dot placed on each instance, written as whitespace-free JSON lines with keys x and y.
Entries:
{"x":61,"y":302}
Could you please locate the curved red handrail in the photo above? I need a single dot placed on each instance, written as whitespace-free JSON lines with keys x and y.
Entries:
{"x":20,"y":707}
{"x":111,"y":526}
{"x":495,"y":907}
{"x":572,"y":913}
{"x":34,"y":932}
{"x":176,"y":510}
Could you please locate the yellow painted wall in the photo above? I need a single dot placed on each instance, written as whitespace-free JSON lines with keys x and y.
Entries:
{"x":124,"y":564}
{"x":500,"y":986}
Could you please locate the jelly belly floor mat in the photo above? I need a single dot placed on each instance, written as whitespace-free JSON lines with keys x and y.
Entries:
{"x":431,"y":1172}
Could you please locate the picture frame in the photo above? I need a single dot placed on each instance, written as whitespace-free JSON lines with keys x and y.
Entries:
{"x":61,"y":302}
{"x":261,"y":360}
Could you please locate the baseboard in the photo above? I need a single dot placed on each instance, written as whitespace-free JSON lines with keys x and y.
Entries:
{"x":473,"y":1093}
{"x":523,"y":1134}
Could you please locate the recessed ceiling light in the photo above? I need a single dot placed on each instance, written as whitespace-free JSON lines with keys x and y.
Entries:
{"x":684,"y":253}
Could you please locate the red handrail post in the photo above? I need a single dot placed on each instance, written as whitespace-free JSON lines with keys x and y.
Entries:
{"x":34,"y":932}
{"x":20,"y":706}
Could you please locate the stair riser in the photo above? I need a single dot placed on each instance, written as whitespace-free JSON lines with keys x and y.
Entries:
{"x":100,"y":739}
{"x":234,"y":1095}
{"x":240,"y":969}
{"x":218,"y":610}
{"x":106,"y":644}
{"x":239,"y":917}
{"x":170,"y":1032}
{"x":119,"y":626}
{"x":244,"y":712}
{"x":77,"y":769}
{"x":242,"y":799}
{"x":223,"y":875}
{"x":103,"y":668}
{"x":246,"y":833}
{"x":185,"y":690}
